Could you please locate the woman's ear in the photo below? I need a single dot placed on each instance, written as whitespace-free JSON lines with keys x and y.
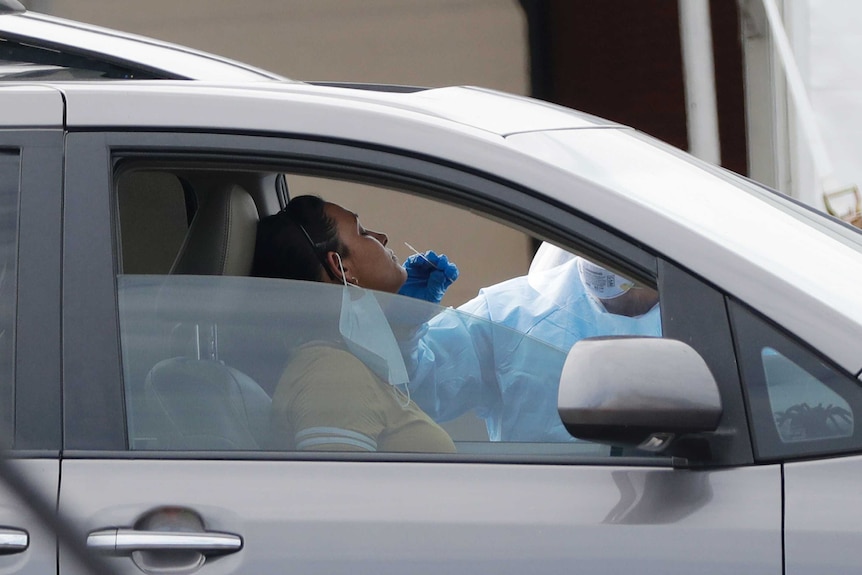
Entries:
{"x":337,"y":266}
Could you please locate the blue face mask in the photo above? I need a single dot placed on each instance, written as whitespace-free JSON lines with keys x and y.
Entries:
{"x":367,"y":334}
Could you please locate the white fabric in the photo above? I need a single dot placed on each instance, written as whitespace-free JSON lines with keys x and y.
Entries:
{"x":826,"y":37}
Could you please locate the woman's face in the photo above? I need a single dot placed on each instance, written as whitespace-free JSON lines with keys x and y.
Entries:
{"x":369,"y":262}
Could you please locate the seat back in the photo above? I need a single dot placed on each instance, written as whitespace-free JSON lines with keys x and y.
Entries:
{"x":207,"y":405}
{"x":221,"y":237}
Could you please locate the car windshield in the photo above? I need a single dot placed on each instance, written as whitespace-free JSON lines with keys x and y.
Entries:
{"x":23,"y":62}
{"x":36,"y":46}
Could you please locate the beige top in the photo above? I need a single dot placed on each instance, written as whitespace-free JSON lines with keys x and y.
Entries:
{"x":328,"y":400}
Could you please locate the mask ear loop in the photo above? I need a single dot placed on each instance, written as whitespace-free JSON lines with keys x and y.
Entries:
{"x":402,"y":397}
{"x":341,"y":267}
{"x":344,"y":275}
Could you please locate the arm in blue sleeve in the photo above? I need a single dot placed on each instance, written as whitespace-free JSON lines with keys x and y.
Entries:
{"x":451,"y":366}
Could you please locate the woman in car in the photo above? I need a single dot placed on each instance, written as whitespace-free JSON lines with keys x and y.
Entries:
{"x":346,"y":392}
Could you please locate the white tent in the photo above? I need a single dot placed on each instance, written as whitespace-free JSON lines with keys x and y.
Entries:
{"x":801,"y":72}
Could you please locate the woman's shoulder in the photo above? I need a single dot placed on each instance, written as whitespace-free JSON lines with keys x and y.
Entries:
{"x":324,"y":364}
{"x":328,"y":373}
{"x":322,"y":353}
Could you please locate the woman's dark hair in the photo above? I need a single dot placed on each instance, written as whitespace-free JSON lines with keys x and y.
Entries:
{"x":293,"y":243}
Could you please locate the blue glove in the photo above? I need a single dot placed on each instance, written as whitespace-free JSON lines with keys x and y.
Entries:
{"x":428,"y":277}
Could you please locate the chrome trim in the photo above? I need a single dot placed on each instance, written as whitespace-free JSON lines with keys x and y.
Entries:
{"x":127,"y":541}
{"x":13,"y":540}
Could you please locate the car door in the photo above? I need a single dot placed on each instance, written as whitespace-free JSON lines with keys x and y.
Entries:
{"x":30,"y":202}
{"x":155,"y":498}
{"x":804,"y":410}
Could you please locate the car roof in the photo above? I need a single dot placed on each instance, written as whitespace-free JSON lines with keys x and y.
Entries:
{"x":256,"y":106}
{"x":149,"y":57}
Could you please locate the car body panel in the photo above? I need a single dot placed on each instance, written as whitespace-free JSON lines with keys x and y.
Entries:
{"x":31,"y":107}
{"x":334,"y":517}
{"x":16,"y":514}
{"x":822,"y":508}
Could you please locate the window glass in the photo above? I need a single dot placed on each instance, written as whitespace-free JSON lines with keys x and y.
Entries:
{"x":24,"y":62}
{"x":799,"y":404}
{"x":805,"y":408}
{"x":9,"y":178}
{"x":275,"y":363}
{"x":154,"y":218}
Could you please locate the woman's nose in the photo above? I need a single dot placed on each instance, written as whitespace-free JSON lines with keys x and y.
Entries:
{"x":381,"y":237}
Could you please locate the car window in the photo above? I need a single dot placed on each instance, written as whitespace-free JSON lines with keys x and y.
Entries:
{"x":805,"y":408}
{"x":798,"y":403}
{"x":215,"y":359}
{"x":9,"y":178}
{"x":144,"y":197}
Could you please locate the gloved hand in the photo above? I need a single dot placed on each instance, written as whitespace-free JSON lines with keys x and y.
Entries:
{"x":424,"y":281}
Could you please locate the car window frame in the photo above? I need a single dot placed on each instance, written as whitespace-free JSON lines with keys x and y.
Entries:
{"x":97,"y":154}
{"x":37,"y":346}
{"x":752,"y":334}
{"x":695,"y":312}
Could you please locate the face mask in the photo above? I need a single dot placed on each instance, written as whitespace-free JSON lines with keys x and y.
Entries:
{"x":601,"y":283}
{"x":367,"y":334}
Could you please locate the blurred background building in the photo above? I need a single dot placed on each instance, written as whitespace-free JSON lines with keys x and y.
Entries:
{"x":702,"y":75}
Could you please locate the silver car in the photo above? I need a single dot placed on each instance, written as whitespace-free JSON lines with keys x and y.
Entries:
{"x":139,"y":357}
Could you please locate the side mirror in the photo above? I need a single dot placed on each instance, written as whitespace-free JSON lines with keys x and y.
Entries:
{"x":640,"y":392}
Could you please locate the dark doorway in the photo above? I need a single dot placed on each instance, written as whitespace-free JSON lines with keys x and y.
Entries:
{"x":622,"y":60}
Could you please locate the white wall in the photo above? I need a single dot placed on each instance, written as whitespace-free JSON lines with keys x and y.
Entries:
{"x":826,"y":38}
{"x":420,"y":42}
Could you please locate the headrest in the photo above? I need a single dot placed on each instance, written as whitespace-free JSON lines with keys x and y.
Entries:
{"x":221,"y":237}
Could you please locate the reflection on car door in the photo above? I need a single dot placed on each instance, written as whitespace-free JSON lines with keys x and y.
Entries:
{"x":26,"y":544}
{"x":389,"y":517}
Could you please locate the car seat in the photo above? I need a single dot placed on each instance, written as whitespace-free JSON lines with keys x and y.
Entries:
{"x":198,"y":402}
{"x":221,"y":237}
{"x":207,"y":405}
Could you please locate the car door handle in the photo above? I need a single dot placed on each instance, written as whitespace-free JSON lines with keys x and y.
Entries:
{"x":127,"y":541}
{"x":13,"y":540}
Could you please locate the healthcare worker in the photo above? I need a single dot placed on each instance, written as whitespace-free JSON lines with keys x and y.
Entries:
{"x":501,"y":354}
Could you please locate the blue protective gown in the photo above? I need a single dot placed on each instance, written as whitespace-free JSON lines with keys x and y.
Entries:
{"x":501,"y":354}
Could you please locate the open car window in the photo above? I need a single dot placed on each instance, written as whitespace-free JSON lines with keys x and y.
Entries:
{"x":205,"y":356}
{"x":217,"y":360}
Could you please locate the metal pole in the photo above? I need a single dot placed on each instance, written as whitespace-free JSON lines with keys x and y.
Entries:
{"x":699,"y":73}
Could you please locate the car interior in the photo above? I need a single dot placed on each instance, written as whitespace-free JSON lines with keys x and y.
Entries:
{"x":201,"y":361}
{"x":196,"y":382}
{"x":173,"y":224}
